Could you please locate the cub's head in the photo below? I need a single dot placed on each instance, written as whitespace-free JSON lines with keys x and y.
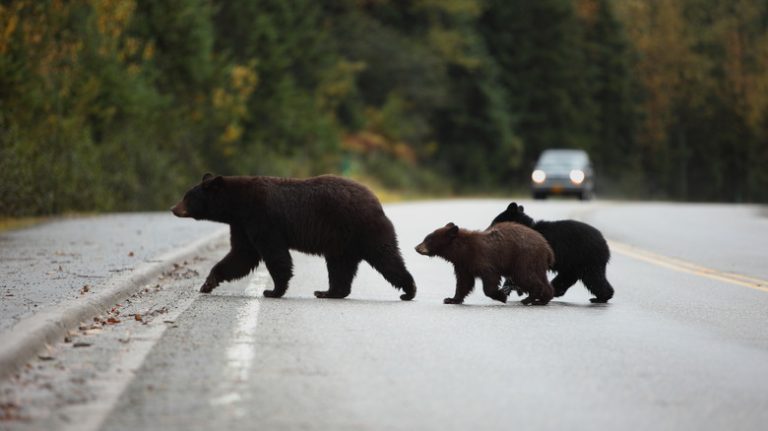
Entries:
{"x":514,"y":213}
{"x":204,"y":201}
{"x":438,"y":241}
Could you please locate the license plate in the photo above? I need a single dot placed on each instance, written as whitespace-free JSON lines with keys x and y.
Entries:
{"x":557,"y":189}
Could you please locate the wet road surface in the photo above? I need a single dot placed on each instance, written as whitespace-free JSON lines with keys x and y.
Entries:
{"x":675,"y":349}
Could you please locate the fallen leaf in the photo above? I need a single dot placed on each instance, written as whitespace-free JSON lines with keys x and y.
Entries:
{"x":112,"y":321}
{"x":130,"y":254}
{"x":45,"y":357}
{"x":138,"y":317}
{"x":81,"y":344}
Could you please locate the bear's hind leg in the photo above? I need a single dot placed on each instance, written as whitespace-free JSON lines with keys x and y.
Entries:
{"x":387,"y":260}
{"x":594,"y":279}
{"x":341,"y":272}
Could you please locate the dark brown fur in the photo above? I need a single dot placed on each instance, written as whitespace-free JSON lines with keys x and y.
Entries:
{"x":326,"y":215}
{"x":506,"y":249}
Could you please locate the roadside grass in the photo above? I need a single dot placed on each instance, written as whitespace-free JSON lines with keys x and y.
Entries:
{"x":14,"y":223}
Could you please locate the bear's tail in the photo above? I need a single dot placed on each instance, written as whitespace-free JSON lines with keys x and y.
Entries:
{"x":389,"y":262}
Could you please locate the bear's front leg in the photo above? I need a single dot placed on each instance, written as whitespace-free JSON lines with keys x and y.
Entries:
{"x":491,"y":288}
{"x":465,"y":282}
{"x":239,"y":262}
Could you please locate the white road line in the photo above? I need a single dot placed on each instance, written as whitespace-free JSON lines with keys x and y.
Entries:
{"x":242,"y":348}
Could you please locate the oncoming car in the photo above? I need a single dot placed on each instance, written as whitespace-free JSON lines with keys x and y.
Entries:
{"x":563,"y":172}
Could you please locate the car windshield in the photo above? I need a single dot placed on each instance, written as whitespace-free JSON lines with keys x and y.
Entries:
{"x":566,"y":158}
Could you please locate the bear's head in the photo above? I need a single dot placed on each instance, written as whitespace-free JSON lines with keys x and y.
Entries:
{"x":514,"y":213}
{"x":436,"y":243}
{"x":204,"y":201}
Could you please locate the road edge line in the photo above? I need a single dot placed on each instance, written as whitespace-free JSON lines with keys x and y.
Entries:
{"x":30,"y":335}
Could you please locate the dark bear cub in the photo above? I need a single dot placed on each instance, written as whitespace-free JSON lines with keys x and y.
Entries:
{"x":326,"y":215}
{"x":581,"y":252}
{"x":507,"y":249}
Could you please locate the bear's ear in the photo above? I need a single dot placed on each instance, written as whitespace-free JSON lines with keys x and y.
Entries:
{"x":450,"y":224}
{"x":520,"y":209}
{"x":453,"y":231}
{"x":207,"y":176}
{"x":213,"y":184}
{"x":512,"y":207}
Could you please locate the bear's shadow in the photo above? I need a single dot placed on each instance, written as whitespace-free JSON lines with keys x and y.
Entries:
{"x":516,"y":304}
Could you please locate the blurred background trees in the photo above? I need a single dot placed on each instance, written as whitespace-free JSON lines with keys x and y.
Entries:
{"x":122,"y":104}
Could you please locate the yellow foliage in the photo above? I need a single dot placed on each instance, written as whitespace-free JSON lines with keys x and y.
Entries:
{"x":338,"y":83}
{"x":232,"y":133}
{"x":453,"y":47}
{"x":469,"y":8}
{"x":9,"y":20}
{"x":112,"y":18}
{"x":587,"y":10}
{"x":149,"y":51}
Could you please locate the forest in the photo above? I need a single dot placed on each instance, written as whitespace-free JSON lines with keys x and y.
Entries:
{"x":121,"y":105}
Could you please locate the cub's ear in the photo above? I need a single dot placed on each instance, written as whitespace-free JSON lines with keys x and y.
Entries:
{"x":453,"y":230}
{"x":512,"y":207}
{"x":520,"y":209}
{"x":213,"y":184}
{"x":450,"y":225}
{"x":207,"y":176}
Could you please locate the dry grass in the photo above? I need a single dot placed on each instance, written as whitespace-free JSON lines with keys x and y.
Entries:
{"x":11,"y":223}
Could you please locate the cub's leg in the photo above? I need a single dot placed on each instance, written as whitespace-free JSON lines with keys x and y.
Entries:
{"x":465,"y":282}
{"x":562,"y":281}
{"x":594,"y":279}
{"x":491,"y":288}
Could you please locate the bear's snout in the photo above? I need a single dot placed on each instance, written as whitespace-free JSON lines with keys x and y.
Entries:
{"x":180,"y":210}
{"x":422,"y":249}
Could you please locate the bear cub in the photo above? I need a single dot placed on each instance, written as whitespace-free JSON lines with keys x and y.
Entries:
{"x":268,"y":216}
{"x":581,"y":252}
{"x":506,"y":249}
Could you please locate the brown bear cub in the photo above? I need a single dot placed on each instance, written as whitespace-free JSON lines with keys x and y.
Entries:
{"x":326,"y":215}
{"x":505,"y":249}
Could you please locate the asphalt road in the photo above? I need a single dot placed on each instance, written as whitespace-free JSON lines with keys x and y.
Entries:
{"x":682,"y":345}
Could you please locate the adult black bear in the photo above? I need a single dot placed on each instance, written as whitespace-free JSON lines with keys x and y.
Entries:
{"x":326,"y":215}
{"x":581,"y":252}
{"x":506,"y":249}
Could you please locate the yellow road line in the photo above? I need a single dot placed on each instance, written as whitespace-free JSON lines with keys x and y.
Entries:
{"x":688,"y":267}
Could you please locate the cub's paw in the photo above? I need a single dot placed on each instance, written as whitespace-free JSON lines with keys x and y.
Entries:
{"x":273,"y":294}
{"x":598,"y":300}
{"x":452,"y":301}
{"x":528,"y":300}
{"x":409,"y":294}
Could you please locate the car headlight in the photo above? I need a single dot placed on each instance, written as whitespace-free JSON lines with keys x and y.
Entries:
{"x":577,"y":176}
{"x":538,"y":176}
